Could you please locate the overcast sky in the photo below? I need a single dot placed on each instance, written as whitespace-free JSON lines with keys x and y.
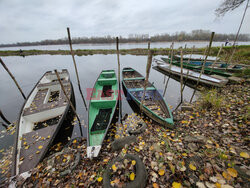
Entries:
{"x":35,"y":20}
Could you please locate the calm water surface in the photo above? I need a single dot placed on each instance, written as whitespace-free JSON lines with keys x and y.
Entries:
{"x":28,"y":71}
{"x":199,"y":44}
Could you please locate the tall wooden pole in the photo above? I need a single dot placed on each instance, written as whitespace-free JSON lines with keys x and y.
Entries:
{"x":169,"y":52}
{"x":181,"y":75}
{"x":188,"y":69}
{"x":73,"y":57}
{"x":119,"y":78}
{"x":149,"y":63}
{"x":236,"y":37}
{"x":69,"y":101}
{"x":203,"y":65}
{"x":171,"y":60}
{"x":216,"y":59}
{"x":13,"y":78}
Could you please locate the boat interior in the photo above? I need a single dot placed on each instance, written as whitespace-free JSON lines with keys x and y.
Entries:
{"x":102,"y":105}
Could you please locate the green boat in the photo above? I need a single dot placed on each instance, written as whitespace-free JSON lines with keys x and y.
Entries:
{"x":207,"y":70}
{"x":154,"y":105}
{"x":102,"y":107}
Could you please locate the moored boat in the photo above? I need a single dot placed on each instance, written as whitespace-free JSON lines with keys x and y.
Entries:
{"x":102,"y":107}
{"x":212,"y":80}
{"x":196,"y":67}
{"x":154,"y":106}
{"x":40,"y":119}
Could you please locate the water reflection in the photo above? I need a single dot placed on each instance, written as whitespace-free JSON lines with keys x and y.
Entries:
{"x":28,"y":70}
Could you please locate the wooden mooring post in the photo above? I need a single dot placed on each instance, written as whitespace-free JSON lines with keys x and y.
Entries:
{"x":119,"y":78}
{"x":72,"y":106}
{"x":13,"y":78}
{"x":203,"y":65}
{"x":73,"y":57}
{"x":181,"y":90}
{"x":188,"y":69}
{"x":171,"y":60}
{"x":149,"y":63}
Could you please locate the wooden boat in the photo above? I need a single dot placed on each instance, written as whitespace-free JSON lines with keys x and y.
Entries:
{"x":154,"y":106}
{"x":192,"y":75}
{"x":197,"y":68}
{"x":102,"y":106}
{"x":194,"y":57}
{"x":39,"y":121}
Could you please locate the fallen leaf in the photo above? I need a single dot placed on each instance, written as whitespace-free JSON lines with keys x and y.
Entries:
{"x":192,"y":167}
{"x":218,"y":185}
{"x":226,"y":176}
{"x":40,"y":147}
{"x":37,"y":152}
{"x":133,"y":162}
{"x":161,"y":172}
{"x":74,"y":141}
{"x":232,"y":172}
{"x":176,"y":185}
{"x":132,"y":176}
{"x":99,"y":179}
{"x":114,"y":168}
{"x":155,"y":185}
{"x":244,"y":155}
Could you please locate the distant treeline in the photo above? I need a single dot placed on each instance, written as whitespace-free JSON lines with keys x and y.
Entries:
{"x":195,"y":35}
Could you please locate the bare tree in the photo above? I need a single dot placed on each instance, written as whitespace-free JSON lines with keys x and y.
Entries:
{"x":228,"y":5}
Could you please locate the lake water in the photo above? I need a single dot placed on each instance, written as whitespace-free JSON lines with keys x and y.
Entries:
{"x":199,"y":44}
{"x":28,"y":71}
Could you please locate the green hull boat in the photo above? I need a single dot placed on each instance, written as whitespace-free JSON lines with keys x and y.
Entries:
{"x":154,"y":105}
{"x":207,"y":70}
{"x":102,"y":106}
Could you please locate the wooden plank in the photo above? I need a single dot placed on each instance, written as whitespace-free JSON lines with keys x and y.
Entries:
{"x":43,"y":138}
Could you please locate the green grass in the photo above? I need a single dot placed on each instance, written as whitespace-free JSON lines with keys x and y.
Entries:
{"x":211,"y":100}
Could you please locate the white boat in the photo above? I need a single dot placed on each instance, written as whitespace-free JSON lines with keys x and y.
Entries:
{"x":213,"y":80}
{"x":40,"y":119}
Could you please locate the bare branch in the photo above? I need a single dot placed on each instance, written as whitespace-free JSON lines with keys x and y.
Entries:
{"x":228,"y":5}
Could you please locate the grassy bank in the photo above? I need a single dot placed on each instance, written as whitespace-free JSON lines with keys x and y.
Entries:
{"x":242,"y":54}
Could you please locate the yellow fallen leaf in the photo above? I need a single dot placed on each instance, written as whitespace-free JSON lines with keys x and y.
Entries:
{"x":155,"y":185}
{"x":124,"y":151}
{"x":192,"y":167}
{"x":40,"y":147}
{"x":132,"y":176}
{"x":48,"y":136}
{"x":232,"y":172}
{"x":226,"y":176}
{"x":176,"y":185}
{"x":184,"y":154}
{"x":184,"y":121}
{"x":244,"y":155}
{"x":218,"y":185}
{"x":25,"y":143}
{"x":133,"y":162}
{"x":37,"y":152}
{"x":114,"y":167}
{"x":74,"y":141}
{"x":99,"y":179}
{"x":136,"y":149}
{"x":27,"y":147}
{"x":162,"y":142}
{"x":161,"y":172}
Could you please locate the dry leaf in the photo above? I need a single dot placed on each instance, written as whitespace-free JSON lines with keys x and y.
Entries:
{"x":99,"y":179}
{"x":176,"y":185}
{"x":192,"y":167}
{"x":114,"y":168}
{"x":40,"y":147}
{"x":161,"y":172}
{"x":74,"y":141}
{"x":133,"y":162}
{"x":244,"y":155}
{"x":232,"y":172}
{"x":132,"y":176}
{"x":226,"y":176}
{"x":155,"y":185}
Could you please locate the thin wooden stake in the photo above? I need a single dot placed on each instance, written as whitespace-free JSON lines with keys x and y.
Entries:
{"x":13,"y":78}
{"x":188,"y":69}
{"x":203,"y":65}
{"x":4,"y":118}
{"x":149,"y":63}
{"x":119,"y":78}
{"x":72,"y":106}
{"x":73,"y":57}
{"x":216,"y":59}
{"x":171,"y":60}
{"x":181,"y":81}
{"x":168,"y":57}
